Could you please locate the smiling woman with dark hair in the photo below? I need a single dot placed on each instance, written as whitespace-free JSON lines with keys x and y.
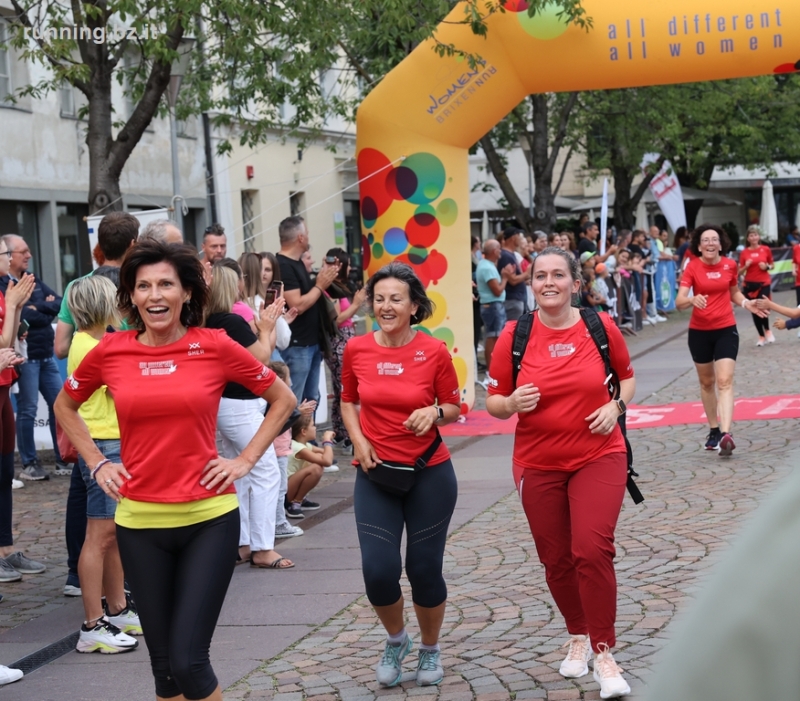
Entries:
{"x":713,"y":337}
{"x":398,"y":385}
{"x":178,"y":524}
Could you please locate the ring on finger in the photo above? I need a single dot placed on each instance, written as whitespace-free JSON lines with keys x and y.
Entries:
{"x":109,"y":481}
{"x":223,"y":473}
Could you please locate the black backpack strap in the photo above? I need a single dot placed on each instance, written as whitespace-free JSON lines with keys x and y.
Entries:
{"x":598,"y":333}
{"x":522,"y":333}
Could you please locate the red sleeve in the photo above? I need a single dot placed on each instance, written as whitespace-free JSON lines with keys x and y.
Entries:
{"x":687,"y":279}
{"x":796,"y":254}
{"x":88,"y":376}
{"x":242,"y":367}
{"x":733,"y":273}
{"x":349,"y":379}
{"x":618,"y":350}
{"x":446,"y":380}
{"x":501,"y":370}
{"x":769,"y":255}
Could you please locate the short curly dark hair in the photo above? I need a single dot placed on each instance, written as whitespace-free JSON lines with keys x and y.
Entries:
{"x":694,"y":238}
{"x":190,"y":273}
{"x":416,"y":290}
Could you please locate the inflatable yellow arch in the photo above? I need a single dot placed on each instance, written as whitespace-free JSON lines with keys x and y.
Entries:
{"x":415,"y":128}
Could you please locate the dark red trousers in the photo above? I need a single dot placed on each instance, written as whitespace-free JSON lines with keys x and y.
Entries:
{"x":572,"y":516}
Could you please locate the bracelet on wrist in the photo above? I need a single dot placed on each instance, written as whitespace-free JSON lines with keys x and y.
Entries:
{"x":744,"y":302}
{"x":98,"y":466}
{"x":330,"y":443}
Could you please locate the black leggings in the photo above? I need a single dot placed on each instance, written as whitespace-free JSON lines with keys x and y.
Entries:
{"x":425,"y":512}
{"x":179,"y":578}
{"x":755,"y":290}
{"x":7,"y":435}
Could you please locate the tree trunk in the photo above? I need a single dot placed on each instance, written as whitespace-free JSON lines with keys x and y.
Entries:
{"x":519,"y":211}
{"x":624,"y":206}
{"x":107,"y":155}
{"x":544,"y":156}
{"x":692,"y":208}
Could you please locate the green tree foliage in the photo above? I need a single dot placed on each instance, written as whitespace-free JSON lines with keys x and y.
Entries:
{"x":251,"y":60}
{"x":748,"y":122}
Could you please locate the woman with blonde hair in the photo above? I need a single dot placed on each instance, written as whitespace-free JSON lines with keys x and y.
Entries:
{"x":92,"y":301}
{"x":239,"y":416}
{"x":253,"y":292}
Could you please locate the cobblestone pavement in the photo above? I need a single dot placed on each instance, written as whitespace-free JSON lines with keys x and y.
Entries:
{"x":502,"y":636}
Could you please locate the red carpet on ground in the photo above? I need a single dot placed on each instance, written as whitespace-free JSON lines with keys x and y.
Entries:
{"x":479,"y":423}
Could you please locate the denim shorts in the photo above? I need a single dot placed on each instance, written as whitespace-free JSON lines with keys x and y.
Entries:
{"x":98,"y":503}
{"x":494,"y":318}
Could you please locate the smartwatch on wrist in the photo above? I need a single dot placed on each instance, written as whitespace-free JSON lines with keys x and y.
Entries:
{"x":621,"y":406}
{"x":439,"y":414}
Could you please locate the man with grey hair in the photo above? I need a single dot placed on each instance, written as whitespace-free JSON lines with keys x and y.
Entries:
{"x":39,"y":373}
{"x":163,"y":230}
{"x":304,"y":355}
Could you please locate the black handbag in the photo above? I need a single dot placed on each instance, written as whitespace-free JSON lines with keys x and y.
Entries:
{"x":398,"y":478}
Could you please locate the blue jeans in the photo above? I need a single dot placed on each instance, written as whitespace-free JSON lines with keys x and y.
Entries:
{"x":304,"y":365}
{"x":98,"y":504}
{"x":36,"y":376}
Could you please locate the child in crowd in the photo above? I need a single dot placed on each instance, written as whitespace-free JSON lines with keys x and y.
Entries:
{"x":283,"y":449}
{"x":306,"y":465}
{"x":589,"y":297}
{"x":600,"y":285}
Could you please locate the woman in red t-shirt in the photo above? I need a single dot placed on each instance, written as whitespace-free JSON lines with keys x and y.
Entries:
{"x":755,"y":262}
{"x":177,"y":515}
{"x":570,"y":461}
{"x":713,"y":338}
{"x":398,"y":385}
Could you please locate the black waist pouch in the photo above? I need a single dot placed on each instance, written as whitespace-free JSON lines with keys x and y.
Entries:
{"x":399,"y":478}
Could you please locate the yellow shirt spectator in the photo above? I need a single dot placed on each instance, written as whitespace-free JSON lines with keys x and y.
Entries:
{"x":99,"y":411}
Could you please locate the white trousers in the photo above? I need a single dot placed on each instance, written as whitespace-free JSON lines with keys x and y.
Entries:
{"x":237,"y":422}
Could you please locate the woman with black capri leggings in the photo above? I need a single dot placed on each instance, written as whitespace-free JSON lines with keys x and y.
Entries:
{"x":713,"y":338}
{"x":398,"y":385}
{"x":177,"y":515}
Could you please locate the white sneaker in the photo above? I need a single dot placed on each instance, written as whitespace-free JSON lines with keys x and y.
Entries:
{"x":331,"y":468}
{"x":649,"y":320}
{"x":19,"y":484}
{"x":8,"y":675}
{"x":127,"y":621}
{"x":576,"y":663}
{"x":660,"y":318}
{"x":770,"y":337}
{"x":608,"y":675}
{"x":105,"y":638}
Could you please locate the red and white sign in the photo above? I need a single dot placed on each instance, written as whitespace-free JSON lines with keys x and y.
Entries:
{"x":479,"y":423}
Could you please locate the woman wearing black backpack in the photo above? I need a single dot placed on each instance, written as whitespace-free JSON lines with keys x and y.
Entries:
{"x":570,"y":459}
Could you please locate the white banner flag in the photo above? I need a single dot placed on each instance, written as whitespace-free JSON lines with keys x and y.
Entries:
{"x":667,"y":191}
{"x":604,"y":217}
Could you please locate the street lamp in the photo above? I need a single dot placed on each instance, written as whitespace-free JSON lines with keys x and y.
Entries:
{"x":179,"y":67}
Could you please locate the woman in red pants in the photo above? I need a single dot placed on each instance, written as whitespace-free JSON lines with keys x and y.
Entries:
{"x":570,"y":461}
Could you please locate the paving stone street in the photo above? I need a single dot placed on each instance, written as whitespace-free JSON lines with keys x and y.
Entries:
{"x":502,"y":635}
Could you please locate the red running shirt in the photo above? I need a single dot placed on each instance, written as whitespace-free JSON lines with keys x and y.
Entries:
{"x":391,"y":383}
{"x":716,"y":282}
{"x":167,"y":399}
{"x":762,"y":254}
{"x":567,"y":368}
{"x":8,"y":375}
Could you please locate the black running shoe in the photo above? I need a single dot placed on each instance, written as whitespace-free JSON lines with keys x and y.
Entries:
{"x":714,"y":436}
